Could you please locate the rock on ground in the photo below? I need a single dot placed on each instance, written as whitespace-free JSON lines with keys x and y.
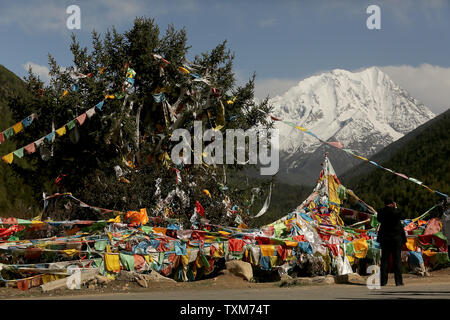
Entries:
{"x":102,"y":280}
{"x":142,"y":283}
{"x":154,"y":277}
{"x":240,"y":268}
{"x":351,"y":278}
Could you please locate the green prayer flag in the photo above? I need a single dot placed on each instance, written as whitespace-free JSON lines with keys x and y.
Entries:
{"x":374,"y":222}
{"x":100,"y":245}
{"x":71,"y":125}
{"x":127,"y":261}
{"x":147,"y":229}
{"x":8,"y":132}
{"x":19,"y":153}
{"x":204,"y":261}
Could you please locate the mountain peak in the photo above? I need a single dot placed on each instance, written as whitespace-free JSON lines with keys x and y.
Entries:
{"x":364,"y":110}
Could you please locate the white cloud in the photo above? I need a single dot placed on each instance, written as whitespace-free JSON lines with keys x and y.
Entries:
{"x":41,"y":71}
{"x":50,"y":15}
{"x":37,"y":16}
{"x":428,"y":83}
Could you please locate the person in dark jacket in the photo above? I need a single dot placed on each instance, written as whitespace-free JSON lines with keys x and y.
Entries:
{"x":391,"y":237}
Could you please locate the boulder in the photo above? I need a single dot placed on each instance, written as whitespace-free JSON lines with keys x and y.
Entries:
{"x":304,"y":281}
{"x":329,"y":279}
{"x":351,"y":278}
{"x":240,"y":268}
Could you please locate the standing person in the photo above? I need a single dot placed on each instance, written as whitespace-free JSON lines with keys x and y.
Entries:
{"x":391,"y":237}
{"x":445,"y":219}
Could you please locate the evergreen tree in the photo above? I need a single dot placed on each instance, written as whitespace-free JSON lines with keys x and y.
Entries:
{"x":115,"y":158}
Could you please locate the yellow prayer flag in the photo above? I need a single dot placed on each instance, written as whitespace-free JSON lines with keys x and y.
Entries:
{"x":109,"y":96}
{"x":8,"y":158}
{"x":184,"y":70}
{"x":115,"y":220}
{"x":61,"y":131}
{"x":362,"y":158}
{"x":70,"y":252}
{"x":65,"y":93}
{"x":18,"y":127}
{"x":102,"y":70}
{"x":231,"y":101}
{"x":301,"y":128}
{"x":112,"y":262}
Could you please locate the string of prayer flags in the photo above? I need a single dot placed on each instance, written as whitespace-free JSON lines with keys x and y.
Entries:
{"x":348,"y":151}
{"x":18,"y":127}
{"x":31,"y":148}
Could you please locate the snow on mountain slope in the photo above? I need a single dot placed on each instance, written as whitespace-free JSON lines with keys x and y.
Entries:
{"x":363,"y":110}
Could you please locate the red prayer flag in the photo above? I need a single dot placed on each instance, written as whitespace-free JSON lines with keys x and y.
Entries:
{"x":199,"y":208}
{"x":336,"y":144}
{"x":31,"y":148}
{"x":81,"y":118}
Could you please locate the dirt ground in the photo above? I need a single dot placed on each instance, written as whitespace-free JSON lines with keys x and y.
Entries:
{"x":221,"y":282}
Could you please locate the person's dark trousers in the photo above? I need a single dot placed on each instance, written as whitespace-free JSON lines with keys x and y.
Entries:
{"x":388,"y":249}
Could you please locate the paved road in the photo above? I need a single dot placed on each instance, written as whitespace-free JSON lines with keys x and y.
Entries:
{"x":327,"y":292}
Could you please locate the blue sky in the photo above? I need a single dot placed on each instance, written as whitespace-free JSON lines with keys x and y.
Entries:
{"x":282,"y":41}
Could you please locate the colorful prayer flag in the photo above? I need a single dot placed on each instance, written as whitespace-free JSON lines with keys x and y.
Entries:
{"x":61,"y":131}
{"x":8,"y":158}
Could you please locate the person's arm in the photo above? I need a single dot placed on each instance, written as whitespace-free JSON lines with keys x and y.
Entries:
{"x":400,"y":214}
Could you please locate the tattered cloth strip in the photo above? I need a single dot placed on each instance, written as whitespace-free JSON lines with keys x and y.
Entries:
{"x":17,"y":127}
{"x":266,"y":203}
{"x":338,"y":145}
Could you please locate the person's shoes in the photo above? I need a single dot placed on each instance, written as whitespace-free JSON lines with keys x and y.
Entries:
{"x":399,"y":284}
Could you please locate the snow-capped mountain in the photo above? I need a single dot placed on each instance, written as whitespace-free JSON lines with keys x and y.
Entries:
{"x":365,"y":111}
